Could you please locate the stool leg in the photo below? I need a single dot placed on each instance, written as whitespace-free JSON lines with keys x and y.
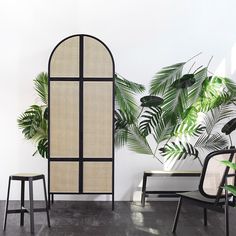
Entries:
{"x":22,"y":202}
{"x":46,"y":202}
{"x":31,"y":205}
{"x":144,"y":190}
{"x":7,"y":202}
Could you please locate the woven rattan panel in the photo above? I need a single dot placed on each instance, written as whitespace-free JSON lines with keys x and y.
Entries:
{"x":98,"y":118}
{"x":97,"y":177}
{"x":64,"y":176}
{"x":65,"y":59}
{"x":214,"y":174}
{"x":97,"y":59}
{"x":64,"y":119}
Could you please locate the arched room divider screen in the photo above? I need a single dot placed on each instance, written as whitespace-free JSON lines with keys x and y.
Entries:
{"x":81,"y":117}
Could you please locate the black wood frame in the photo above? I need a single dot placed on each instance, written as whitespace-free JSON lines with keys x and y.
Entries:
{"x":81,"y":159}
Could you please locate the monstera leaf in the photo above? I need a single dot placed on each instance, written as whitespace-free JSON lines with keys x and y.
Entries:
{"x":229,"y":127}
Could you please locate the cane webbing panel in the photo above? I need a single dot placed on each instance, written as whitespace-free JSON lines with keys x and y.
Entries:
{"x":98,"y":118}
{"x":64,"y":119}
{"x":214,"y":173}
{"x":64,"y":176}
{"x":65,"y":59}
{"x":97,"y":59}
{"x":97,"y":177}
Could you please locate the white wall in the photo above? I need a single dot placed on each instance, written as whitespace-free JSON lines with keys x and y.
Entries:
{"x":144,"y":35}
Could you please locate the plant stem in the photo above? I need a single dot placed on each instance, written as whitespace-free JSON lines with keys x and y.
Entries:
{"x":197,"y":69}
{"x":194,"y":57}
{"x":200,"y":161}
{"x":191,"y":67}
{"x":209,"y":61}
{"x":231,"y":144}
{"x":158,"y":159}
{"x":140,"y":113}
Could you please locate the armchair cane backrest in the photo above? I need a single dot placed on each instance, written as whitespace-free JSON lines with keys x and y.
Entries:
{"x":214,"y":173}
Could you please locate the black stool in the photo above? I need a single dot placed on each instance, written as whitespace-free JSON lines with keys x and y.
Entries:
{"x":26,"y":177}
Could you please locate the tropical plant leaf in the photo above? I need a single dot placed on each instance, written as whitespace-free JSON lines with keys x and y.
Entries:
{"x":122,"y":119}
{"x":213,"y":142}
{"x":163,"y":131}
{"x":125,"y":95}
{"x":165,"y":77}
{"x":229,"y":164}
{"x":188,"y":130}
{"x":230,"y":85}
{"x":42,"y":148}
{"x":150,"y":119}
{"x":30,"y":121}
{"x":214,"y":116}
{"x":120,"y":138}
{"x":41,"y":87}
{"x":196,"y":88}
{"x":174,"y":104}
{"x":229,"y":127}
{"x":137,"y":142}
{"x":231,"y":189}
{"x":190,"y":116}
{"x":179,"y":150}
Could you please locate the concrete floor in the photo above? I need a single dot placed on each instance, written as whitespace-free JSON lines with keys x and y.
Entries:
{"x":129,"y":218}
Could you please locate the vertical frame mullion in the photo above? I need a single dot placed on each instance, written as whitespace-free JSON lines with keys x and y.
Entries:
{"x":81,"y":117}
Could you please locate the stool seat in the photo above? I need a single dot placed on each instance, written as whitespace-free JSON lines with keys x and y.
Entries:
{"x":26,"y":176}
{"x":23,"y":177}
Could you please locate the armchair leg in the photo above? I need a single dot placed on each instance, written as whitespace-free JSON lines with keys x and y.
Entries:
{"x":205,"y":216}
{"x":177,"y":215}
{"x":226,"y":214}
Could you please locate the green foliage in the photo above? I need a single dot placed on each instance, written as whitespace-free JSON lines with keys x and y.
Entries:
{"x":30,"y":121}
{"x":165,"y":77}
{"x":150,"y":119}
{"x":193,"y":105}
{"x":125,"y":92}
{"x":41,"y":87}
{"x":137,"y":142}
{"x":33,"y":122}
{"x":179,"y":150}
{"x":230,"y":188}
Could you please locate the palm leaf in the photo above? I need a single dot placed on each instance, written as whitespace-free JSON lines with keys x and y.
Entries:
{"x":179,"y":150}
{"x":30,"y":121}
{"x":174,"y":103}
{"x":162,"y":131}
{"x":165,"y":77}
{"x":230,"y":85}
{"x":120,"y":137}
{"x":41,"y":87}
{"x":150,"y":119}
{"x":125,"y":95}
{"x":214,"y":116}
{"x":231,"y":189}
{"x":137,"y":142}
{"x":188,"y":130}
{"x":213,"y":142}
{"x":229,"y":164}
{"x":196,"y":88}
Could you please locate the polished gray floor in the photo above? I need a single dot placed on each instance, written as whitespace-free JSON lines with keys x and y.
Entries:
{"x":129,"y":218}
